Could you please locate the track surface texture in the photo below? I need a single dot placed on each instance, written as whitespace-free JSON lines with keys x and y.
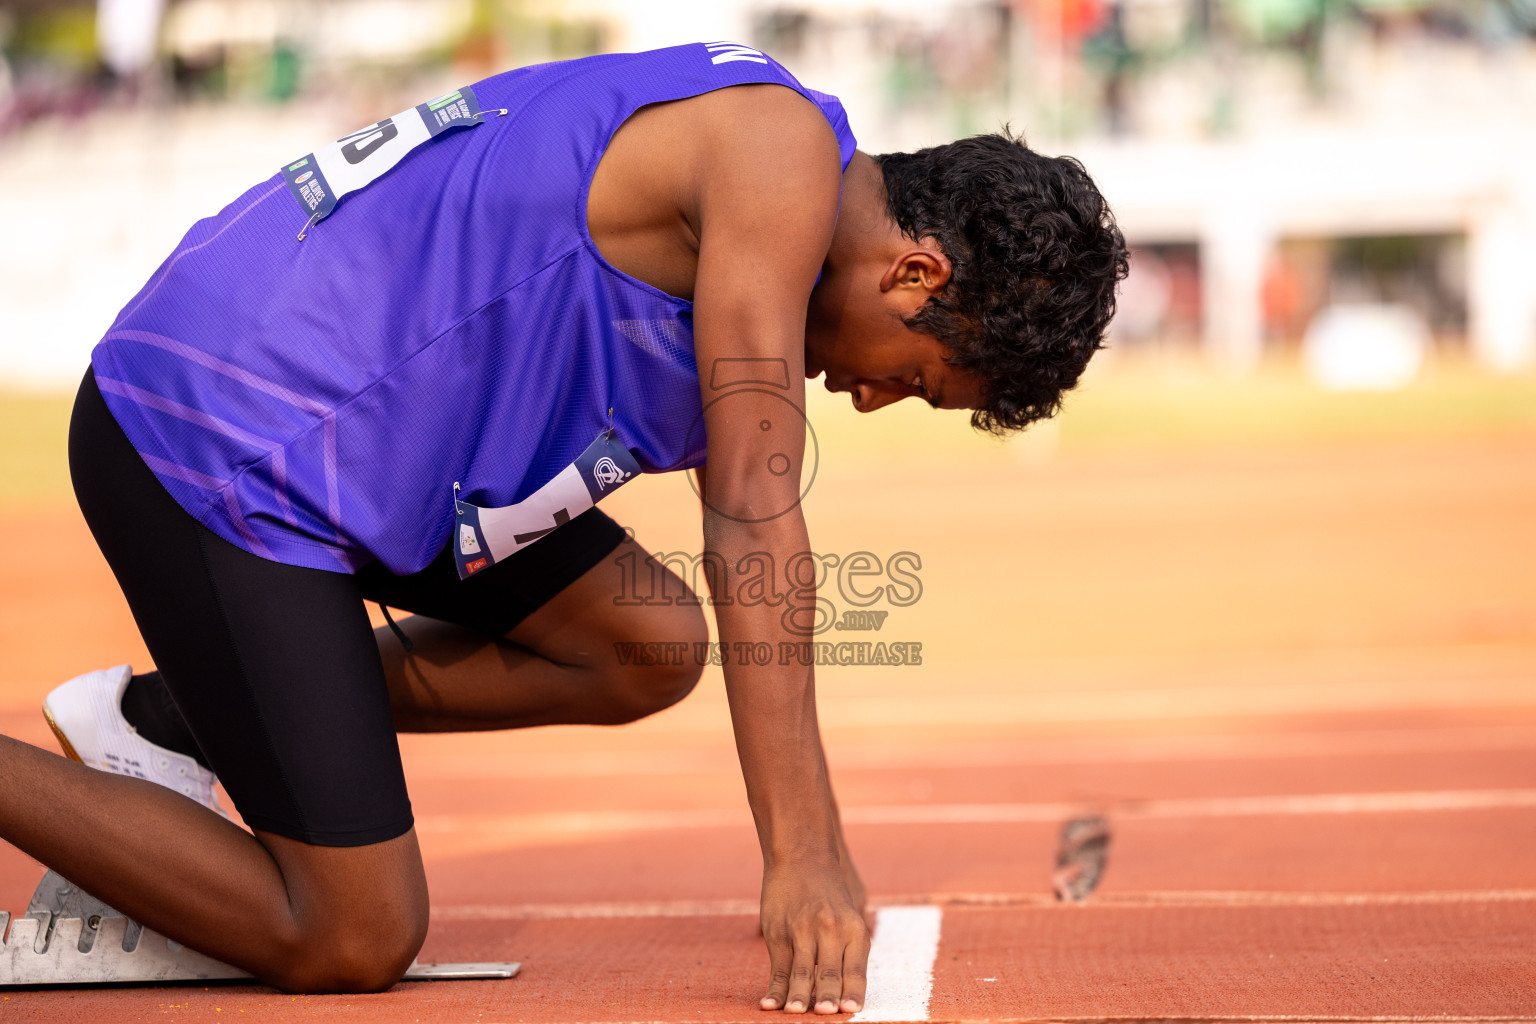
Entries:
{"x":1293,"y":672}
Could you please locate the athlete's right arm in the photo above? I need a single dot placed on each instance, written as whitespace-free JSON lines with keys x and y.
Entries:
{"x":851,"y":878}
{"x":767,"y":198}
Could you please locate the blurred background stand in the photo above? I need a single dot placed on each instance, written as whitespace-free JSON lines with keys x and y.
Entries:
{"x":1269,"y":160}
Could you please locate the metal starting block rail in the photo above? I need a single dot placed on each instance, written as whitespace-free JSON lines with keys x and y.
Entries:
{"x":68,"y":937}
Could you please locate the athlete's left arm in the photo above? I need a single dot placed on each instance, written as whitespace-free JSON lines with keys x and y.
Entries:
{"x":764,"y":205}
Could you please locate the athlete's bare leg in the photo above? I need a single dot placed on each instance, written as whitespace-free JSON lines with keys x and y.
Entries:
{"x":300,"y":917}
{"x":315,"y":918}
{"x":558,"y":666}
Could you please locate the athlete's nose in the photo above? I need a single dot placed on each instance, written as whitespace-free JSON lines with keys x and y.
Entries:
{"x":871,"y":395}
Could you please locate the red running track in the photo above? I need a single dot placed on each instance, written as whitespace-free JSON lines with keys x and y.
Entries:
{"x":1318,"y":763}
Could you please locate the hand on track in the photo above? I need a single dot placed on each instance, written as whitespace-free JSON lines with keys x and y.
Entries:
{"x":856,"y":891}
{"x":818,"y":941}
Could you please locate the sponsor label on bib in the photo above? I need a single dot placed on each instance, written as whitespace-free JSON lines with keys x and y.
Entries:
{"x":318,"y":180}
{"x":487,"y":535}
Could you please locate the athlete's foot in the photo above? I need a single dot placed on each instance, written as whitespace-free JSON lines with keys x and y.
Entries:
{"x":86,"y":716}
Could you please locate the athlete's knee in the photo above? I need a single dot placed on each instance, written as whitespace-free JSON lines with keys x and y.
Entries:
{"x":658,"y":687}
{"x":370,"y":962}
{"x":365,"y":951}
{"x":660,"y":665}
{"x":356,"y":916}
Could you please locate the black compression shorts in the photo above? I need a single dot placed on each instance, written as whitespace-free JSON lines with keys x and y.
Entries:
{"x":275,"y":667}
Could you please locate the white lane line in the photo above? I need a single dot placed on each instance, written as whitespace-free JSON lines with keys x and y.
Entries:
{"x":901,"y":960}
{"x":477,"y":764}
{"x":1201,"y":807}
{"x":578,"y":911}
{"x":1210,"y":807}
{"x":983,"y":901}
{"x":574,"y":823}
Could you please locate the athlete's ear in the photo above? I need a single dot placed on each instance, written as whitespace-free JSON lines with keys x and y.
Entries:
{"x":922,"y":265}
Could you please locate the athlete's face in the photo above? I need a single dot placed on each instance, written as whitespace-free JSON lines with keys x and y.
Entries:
{"x":856,"y":334}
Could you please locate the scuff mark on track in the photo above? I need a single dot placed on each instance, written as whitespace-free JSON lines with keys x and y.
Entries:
{"x":1080,"y":858}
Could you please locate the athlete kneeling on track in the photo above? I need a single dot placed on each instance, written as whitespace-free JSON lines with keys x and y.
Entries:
{"x":405,"y":369}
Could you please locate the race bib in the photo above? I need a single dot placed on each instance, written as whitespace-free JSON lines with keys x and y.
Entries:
{"x":484,"y":536}
{"x":319,"y":180}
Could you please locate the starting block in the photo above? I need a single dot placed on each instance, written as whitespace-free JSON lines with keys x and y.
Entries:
{"x":68,"y":937}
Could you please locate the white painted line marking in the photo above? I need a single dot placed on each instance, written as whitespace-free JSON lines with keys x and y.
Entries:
{"x":901,"y":960}
{"x":983,"y":901}
{"x":1200,"y":807}
{"x":479,"y":764}
{"x":526,"y":828}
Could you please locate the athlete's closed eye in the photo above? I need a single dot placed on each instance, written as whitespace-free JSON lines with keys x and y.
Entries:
{"x":922,"y":390}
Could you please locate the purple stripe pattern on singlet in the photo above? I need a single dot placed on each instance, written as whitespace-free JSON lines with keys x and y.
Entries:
{"x":175,"y":472}
{"x":153,"y":401}
{"x":314,"y":402}
{"x":182,"y":253}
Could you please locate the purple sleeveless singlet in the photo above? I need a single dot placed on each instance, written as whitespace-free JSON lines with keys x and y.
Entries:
{"x":315,"y":401}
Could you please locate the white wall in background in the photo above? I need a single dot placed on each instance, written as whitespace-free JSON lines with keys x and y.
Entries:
{"x":91,"y":209}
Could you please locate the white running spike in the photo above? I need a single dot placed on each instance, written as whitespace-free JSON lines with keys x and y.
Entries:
{"x":86,"y":714}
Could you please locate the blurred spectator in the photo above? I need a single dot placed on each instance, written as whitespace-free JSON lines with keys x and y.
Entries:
{"x":1214,"y":125}
{"x":127,"y":34}
{"x":1159,"y":303}
{"x":1065,"y":67}
{"x":7,"y":86}
{"x":1145,"y":295}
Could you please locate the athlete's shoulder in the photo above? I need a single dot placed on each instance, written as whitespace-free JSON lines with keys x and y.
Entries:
{"x":763,"y":105}
{"x":739,"y":138}
{"x":768,"y":126}
{"x":769,"y":183}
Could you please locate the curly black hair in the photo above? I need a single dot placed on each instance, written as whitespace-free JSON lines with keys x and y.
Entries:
{"x":1035,"y":254}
